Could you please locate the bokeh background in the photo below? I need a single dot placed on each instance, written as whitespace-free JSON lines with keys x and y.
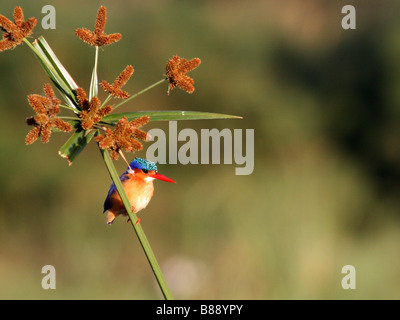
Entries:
{"x":325,"y":106}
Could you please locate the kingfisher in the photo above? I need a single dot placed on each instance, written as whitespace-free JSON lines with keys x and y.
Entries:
{"x":138,"y":185}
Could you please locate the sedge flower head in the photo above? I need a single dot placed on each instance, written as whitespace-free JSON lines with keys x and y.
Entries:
{"x":177,"y":69}
{"x":92,"y":112}
{"x":46,"y":108}
{"x":98,"y":38}
{"x":115,"y":88}
{"x":124,"y":136}
{"x":15,"y":33}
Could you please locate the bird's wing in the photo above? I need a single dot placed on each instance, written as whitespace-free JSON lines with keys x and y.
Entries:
{"x":113,"y":188}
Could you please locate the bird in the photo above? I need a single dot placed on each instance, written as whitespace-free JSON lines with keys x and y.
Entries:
{"x":138,"y":185}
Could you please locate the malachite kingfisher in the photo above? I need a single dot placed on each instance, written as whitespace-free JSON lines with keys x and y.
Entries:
{"x":138,"y":185}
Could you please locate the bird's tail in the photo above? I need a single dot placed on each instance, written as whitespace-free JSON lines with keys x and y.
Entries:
{"x":110,"y":217}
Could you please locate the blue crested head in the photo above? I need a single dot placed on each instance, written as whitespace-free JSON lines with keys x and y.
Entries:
{"x":143,"y":164}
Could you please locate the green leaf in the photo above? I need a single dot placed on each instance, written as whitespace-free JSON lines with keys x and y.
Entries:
{"x":75,"y":144}
{"x":61,"y":71}
{"x":56,"y":71}
{"x":167,"y":116}
{"x":93,"y":92}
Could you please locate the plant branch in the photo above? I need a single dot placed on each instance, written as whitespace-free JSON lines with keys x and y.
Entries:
{"x":106,"y":100}
{"x":68,"y":107}
{"x":140,"y":92}
{"x":137,"y":227}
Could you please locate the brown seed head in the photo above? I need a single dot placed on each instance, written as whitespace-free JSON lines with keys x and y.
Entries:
{"x":115,"y":88}
{"x":98,"y":37}
{"x":124,"y":136}
{"x":46,"y":109}
{"x":177,"y":69}
{"x":91,"y":112}
{"x":15,"y":33}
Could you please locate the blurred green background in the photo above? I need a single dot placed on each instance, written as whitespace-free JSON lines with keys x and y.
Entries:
{"x":325,"y":106}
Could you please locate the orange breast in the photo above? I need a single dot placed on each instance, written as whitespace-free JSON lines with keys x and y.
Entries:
{"x":139,"y":192}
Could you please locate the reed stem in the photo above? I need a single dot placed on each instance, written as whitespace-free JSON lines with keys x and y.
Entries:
{"x":137,"y":227}
{"x":140,"y":92}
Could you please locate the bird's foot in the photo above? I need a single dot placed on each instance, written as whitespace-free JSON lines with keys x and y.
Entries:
{"x":137,"y":221}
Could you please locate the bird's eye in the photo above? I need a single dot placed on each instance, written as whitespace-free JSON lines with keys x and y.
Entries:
{"x":145,"y":171}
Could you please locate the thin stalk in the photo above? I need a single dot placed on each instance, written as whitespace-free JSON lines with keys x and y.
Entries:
{"x":138,"y":228}
{"x":67,"y":107}
{"x":105,"y":101}
{"x":140,"y":92}
{"x":68,"y":118}
{"x":123,"y":157}
{"x":31,"y":46}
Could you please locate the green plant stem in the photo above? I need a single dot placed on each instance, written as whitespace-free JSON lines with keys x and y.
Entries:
{"x":105,"y":101}
{"x":140,"y":92}
{"x":138,"y":228}
{"x":67,"y":107}
{"x":31,"y":46}
{"x":68,"y":118}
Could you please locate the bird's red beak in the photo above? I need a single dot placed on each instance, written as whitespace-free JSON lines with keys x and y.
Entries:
{"x":163,"y":178}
